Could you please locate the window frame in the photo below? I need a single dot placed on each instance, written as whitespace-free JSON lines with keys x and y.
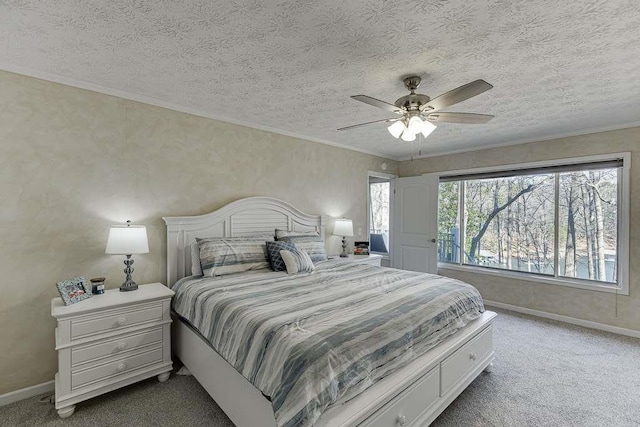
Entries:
{"x":624,"y":176}
{"x":391,"y":179}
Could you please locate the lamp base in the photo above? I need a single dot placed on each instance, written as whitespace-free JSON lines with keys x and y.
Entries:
{"x":129,"y":284}
{"x":344,"y":253}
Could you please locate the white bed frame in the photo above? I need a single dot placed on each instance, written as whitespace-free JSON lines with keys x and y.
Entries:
{"x":414,"y":395}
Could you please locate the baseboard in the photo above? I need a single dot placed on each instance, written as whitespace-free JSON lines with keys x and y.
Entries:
{"x":566,"y":319}
{"x":25,"y":393}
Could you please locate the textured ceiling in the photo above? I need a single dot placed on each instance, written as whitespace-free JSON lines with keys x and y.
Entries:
{"x":558,"y":67}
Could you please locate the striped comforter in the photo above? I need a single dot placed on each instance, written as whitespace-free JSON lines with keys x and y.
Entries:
{"x":310,"y":340}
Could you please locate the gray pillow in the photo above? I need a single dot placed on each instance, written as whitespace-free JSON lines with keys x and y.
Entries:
{"x":196,"y":269}
{"x":312,"y":245}
{"x":291,"y":233}
{"x":226,"y":255}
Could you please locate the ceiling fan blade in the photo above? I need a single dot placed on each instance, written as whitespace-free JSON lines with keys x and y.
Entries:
{"x":457,"y":95}
{"x":464,"y":118}
{"x":370,"y":123}
{"x":377,"y":103}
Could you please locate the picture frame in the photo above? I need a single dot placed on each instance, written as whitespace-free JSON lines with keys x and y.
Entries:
{"x":74,"y":290}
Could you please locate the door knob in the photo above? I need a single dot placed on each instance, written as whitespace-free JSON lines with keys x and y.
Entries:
{"x":433,"y":240}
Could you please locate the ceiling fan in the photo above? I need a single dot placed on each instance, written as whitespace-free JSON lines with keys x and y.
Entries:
{"x":419,"y":113}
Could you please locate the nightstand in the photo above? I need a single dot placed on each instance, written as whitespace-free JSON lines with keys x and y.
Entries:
{"x":373,"y":259}
{"x":109,"y":341}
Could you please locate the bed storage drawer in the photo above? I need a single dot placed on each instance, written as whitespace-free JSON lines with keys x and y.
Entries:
{"x":465,"y":359}
{"x":405,"y":408}
{"x":109,"y":320}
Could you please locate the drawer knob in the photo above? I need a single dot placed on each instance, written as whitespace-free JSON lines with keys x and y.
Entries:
{"x":121,"y":367}
{"x":402,"y":420}
{"x":473,"y":356}
{"x":121,"y":346}
{"x":121,"y":321}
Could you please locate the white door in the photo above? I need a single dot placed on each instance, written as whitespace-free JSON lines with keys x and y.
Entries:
{"x":415,"y":224}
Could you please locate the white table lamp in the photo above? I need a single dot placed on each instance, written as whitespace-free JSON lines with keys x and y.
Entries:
{"x":343,"y":227}
{"x":128,"y":240}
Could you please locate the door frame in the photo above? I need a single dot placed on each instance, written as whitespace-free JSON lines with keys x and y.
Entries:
{"x":392,"y":191}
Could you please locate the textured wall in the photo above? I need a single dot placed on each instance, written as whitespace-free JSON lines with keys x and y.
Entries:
{"x":578,"y":303}
{"x":73,"y":162}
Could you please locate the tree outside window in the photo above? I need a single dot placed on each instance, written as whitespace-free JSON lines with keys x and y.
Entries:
{"x":379,"y":199}
{"x":510,"y":223}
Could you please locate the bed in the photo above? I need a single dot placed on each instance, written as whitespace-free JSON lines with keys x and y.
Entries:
{"x":414,"y":393}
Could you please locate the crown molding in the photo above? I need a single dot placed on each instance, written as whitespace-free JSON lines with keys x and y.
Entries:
{"x":525,"y":141}
{"x":144,"y":99}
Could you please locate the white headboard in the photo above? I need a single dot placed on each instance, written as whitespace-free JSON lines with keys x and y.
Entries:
{"x":245,"y":216}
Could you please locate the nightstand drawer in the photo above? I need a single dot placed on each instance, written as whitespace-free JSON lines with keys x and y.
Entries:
{"x":109,"y":320}
{"x":128,"y":342}
{"x":115,"y":367}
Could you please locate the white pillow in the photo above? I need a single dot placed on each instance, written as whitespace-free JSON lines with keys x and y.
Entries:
{"x":297,"y":261}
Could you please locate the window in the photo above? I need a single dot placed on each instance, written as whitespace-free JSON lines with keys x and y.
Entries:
{"x":560,"y":221}
{"x":379,"y":205}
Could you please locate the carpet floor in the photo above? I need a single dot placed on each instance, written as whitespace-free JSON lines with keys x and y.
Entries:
{"x":546,"y":373}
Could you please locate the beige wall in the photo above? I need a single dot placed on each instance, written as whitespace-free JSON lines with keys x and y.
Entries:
{"x":74,"y":161}
{"x":578,"y":303}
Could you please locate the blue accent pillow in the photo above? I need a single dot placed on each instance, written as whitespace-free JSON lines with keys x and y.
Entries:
{"x":273,"y":254}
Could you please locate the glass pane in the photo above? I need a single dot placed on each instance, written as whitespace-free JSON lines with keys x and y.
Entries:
{"x":379,"y":221}
{"x":448,"y":222}
{"x":588,"y":225}
{"x":510,"y":223}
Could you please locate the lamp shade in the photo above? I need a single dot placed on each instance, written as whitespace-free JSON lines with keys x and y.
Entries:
{"x":127,"y":240}
{"x":427,"y":128}
{"x":415,"y":125}
{"x":396,"y":129}
{"x":343,"y":227}
{"x":408,"y":136}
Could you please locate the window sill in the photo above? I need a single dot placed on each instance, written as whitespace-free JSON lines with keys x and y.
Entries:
{"x":580,"y":284}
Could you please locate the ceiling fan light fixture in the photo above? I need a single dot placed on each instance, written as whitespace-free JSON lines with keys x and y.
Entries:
{"x":420,"y":114}
{"x":396,"y":129}
{"x":415,"y":124}
{"x":427,"y":128}
{"x":408,"y":136}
